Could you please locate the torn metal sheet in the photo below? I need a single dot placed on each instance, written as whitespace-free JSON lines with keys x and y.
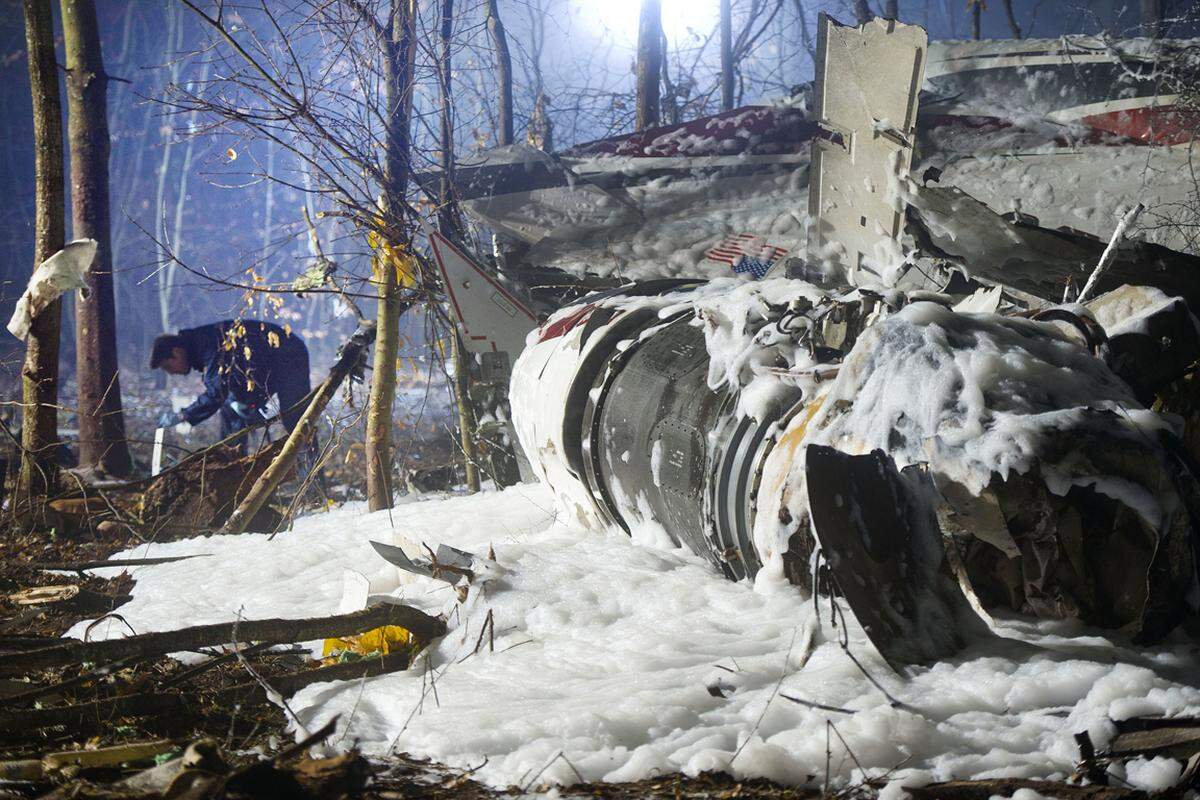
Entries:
{"x":865,"y":95}
{"x":491,"y":317}
{"x":451,"y":571}
{"x":878,"y":533}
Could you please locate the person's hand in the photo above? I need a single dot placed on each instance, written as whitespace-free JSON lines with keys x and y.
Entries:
{"x":169,"y":419}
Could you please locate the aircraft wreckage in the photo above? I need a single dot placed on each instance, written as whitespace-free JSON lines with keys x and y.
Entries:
{"x":910,"y":416}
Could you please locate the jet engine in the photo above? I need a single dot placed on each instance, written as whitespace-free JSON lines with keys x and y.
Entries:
{"x":1048,"y":494}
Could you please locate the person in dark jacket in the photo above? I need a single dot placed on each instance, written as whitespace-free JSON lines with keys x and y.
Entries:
{"x":244,"y":362}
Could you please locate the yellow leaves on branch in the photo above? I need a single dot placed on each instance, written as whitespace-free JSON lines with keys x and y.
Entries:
{"x":395,"y":256}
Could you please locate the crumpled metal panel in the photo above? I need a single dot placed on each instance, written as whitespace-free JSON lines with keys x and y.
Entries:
{"x":865,"y":95}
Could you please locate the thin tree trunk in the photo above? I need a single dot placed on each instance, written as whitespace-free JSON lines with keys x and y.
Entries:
{"x":101,"y":421}
{"x":891,"y":9}
{"x":976,"y":19}
{"x":726,"y":55}
{"x":649,"y":64}
{"x":268,"y":224}
{"x":466,"y":414}
{"x":805,"y":35}
{"x":398,"y":68}
{"x":504,"y":84}
{"x":448,"y":222}
{"x":862,"y":12}
{"x":1012,"y":19}
{"x":181,"y":195}
{"x":166,"y":270}
{"x":1152,"y":18}
{"x":670,"y":100}
{"x":39,"y":374}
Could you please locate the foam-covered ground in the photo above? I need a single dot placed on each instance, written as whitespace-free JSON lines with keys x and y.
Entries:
{"x":604,"y":652}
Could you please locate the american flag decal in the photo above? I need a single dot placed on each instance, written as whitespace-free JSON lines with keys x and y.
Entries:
{"x":746,"y":252}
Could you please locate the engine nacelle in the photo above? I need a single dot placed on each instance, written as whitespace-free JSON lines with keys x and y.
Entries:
{"x":613,"y":409}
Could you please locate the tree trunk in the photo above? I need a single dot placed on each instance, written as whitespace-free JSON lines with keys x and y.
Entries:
{"x":1152,"y":18}
{"x":450,"y":225}
{"x":39,"y":374}
{"x":101,"y":422}
{"x":466,"y":414}
{"x":398,"y":68}
{"x":862,"y":12}
{"x":504,"y":85}
{"x":891,"y":9}
{"x":165,"y":275}
{"x":649,"y":64}
{"x":976,"y":19}
{"x":1012,"y":19}
{"x":726,"y":55}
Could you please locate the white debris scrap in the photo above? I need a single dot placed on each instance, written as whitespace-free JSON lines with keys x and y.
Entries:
{"x":61,"y":272}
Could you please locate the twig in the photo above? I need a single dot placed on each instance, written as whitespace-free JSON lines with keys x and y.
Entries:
{"x":1110,"y":252}
{"x":81,"y":566}
{"x":272,"y":695}
{"x":849,"y":752}
{"x":42,"y":691}
{"x":213,"y":662}
{"x":811,"y":704}
{"x":783,"y":674}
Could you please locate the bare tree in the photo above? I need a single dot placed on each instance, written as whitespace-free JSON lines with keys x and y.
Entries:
{"x":539,"y":132}
{"x":1012,"y":19}
{"x":39,"y":374}
{"x":1152,"y":18}
{"x":976,"y":19}
{"x":399,"y":38}
{"x":101,"y":421}
{"x":331,"y":85}
{"x":862,"y":12}
{"x":726,"y":55}
{"x":451,"y":225}
{"x":891,"y":9}
{"x":649,"y":64}
{"x":504,"y":81}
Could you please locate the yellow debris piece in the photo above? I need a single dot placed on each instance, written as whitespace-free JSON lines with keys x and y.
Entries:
{"x":386,"y":639}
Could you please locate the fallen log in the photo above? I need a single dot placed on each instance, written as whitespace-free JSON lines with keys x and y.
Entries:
{"x":422,"y":626}
{"x":100,"y":713}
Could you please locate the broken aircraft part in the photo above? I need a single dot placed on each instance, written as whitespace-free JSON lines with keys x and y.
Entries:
{"x":878,"y":532}
{"x":995,"y":118}
{"x":686,"y":412}
{"x":872,"y":126}
{"x":1086,"y":516}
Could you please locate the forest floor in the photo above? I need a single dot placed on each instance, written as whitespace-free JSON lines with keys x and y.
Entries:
{"x":252,"y":734}
{"x":244,"y":734}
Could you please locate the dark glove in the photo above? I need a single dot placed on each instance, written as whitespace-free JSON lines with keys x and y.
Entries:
{"x":169,"y":419}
